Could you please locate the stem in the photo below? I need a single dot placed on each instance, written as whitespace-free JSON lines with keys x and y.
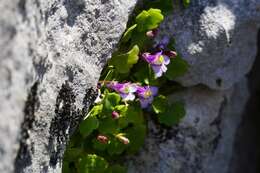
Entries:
{"x":105,"y":81}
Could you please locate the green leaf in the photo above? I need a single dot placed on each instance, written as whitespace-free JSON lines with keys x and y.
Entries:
{"x":98,"y":145}
{"x":165,"y":5}
{"x":186,"y":3}
{"x":171,"y":44}
{"x":141,"y":40}
{"x":72,"y":154}
{"x":88,"y":126}
{"x":117,"y":169}
{"x":122,"y":121}
{"x":96,"y":110}
{"x":134,"y":114}
{"x":159,"y":104}
{"x":136,"y":135}
{"x":115,"y":147}
{"x":110,"y":101}
{"x":92,"y":164}
{"x":108,"y":126}
{"x":131,"y":114}
{"x":174,"y":113}
{"x":65,"y":167}
{"x":128,"y":34}
{"x":121,"y":109}
{"x":143,"y":73}
{"x":177,"y":67}
{"x":124,"y":62}
{"x":148,"y":20}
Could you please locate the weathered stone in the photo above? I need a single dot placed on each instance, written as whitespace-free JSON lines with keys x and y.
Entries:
{"x":52,"y":53}
{"x":217,"y":38}
{"x":202,"y":142}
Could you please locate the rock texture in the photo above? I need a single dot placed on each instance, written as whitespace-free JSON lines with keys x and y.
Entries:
{"x":217,"y":38}
{"x":52,"y":53}
{"x":202,"y":142}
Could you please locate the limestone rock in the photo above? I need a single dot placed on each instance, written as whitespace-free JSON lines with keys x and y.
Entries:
{"x":52,"y":53}
{"x":218,"y":38}
{"x":202,"y":142}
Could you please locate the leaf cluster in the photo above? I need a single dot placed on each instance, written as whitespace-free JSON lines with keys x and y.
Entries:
{"x":101,"y":139}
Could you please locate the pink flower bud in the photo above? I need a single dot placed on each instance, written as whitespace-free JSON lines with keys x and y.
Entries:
{"x":102,"y":139}
{"x":152,"y":33}
{"x":171,"y":54}
{"x":123,"y":139}
{"x":99,"y":85}
{"x":115,"y":115}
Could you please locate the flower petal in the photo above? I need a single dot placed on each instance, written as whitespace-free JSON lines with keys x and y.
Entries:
{"x":164,"y":68}
{"x":140,"y":90}
{"x":144,"y":103}
{"x":154,"y":90}
{"x":157,"y":70}
{"x":166,"y":60}
{"x":151,"y":58}
{"x":132,"y":88}
{"x":127,"y":97}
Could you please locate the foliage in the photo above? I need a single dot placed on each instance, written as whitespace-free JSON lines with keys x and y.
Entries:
{"x":116,"y":124}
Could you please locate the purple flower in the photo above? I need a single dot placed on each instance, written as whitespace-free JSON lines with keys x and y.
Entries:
{"x":126,"y":90}
{"x":146,"y":95}
{"x":158,"y":62}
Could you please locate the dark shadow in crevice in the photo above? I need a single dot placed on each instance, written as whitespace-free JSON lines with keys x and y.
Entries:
{"x":23,"y":158}
{"x":246,"y":147}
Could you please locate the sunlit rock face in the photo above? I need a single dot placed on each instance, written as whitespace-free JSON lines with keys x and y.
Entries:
{"x":203,"y":141}
{"x":52,"y":53}
{"x":217,"y":38}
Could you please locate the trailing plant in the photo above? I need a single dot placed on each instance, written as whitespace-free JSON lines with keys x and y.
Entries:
{"x":134,"y":85}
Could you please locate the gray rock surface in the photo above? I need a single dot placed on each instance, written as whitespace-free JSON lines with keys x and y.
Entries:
{"x":52,"y":53}
{"x":202,"y":142}
{"x":217,"y":38}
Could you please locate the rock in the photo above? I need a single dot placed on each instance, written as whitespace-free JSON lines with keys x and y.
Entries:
{"x":52,"y":53}
{"x":246,"y":146}
{"x":217,"y":38}
{"x":202,"y":142}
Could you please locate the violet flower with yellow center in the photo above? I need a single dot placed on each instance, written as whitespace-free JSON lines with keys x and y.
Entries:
{"x":158,"y":62}
{"x":146,"y":95}
{"x":126,"y":90}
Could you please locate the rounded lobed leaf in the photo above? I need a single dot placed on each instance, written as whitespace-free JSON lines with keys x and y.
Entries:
{"x":88,"y":126}
{"x":174,"y":113}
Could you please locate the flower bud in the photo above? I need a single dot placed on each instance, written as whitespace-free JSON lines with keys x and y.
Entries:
{"x":99,"y":85}
{"x":123,"y":139}
{"x":152,"y":33}
{"x":171,"y":54}
{"x":115,"y":115}
{"x":102,"y":139}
